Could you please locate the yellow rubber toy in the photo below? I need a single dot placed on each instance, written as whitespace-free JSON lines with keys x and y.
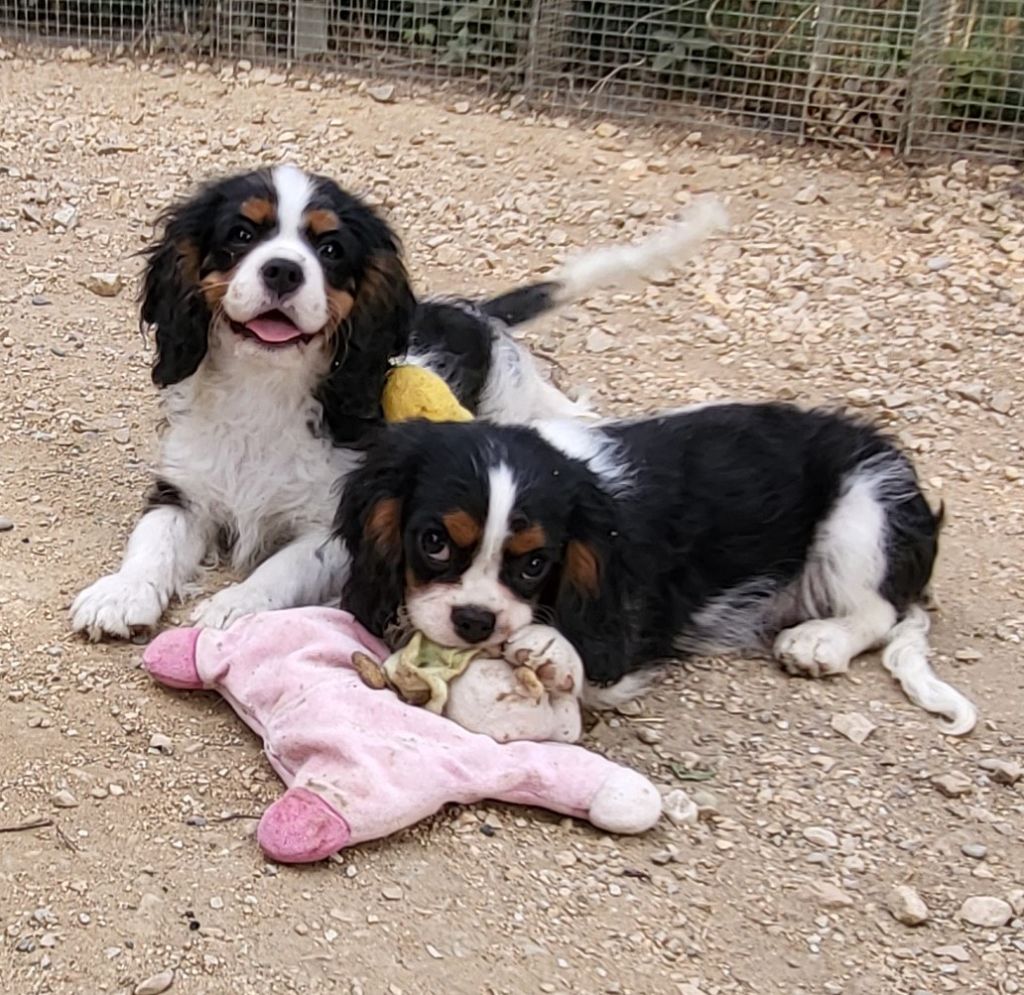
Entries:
{"x":413,"y":392}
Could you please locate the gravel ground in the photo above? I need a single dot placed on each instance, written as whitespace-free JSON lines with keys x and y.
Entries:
{"x":844,"y":281}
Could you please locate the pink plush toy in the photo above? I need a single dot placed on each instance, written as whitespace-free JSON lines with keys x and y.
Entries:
{"x":359,"y":764}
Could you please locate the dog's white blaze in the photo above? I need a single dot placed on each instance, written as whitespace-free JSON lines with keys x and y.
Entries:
{"x":294,"y":192}
{"x":501,"y":500}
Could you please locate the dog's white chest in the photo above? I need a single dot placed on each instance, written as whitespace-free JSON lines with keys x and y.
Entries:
{"x":257,"y":467}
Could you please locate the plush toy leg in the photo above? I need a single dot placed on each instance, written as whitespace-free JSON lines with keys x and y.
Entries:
{"x":171,"y":658}
{"x":577,"y":782}
{"x":300,"y":827}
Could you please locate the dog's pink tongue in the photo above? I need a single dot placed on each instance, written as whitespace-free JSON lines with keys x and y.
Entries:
{"x":273,"y":329}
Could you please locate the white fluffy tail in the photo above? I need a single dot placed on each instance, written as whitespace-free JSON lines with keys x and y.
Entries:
{"x":905,"y":656}
{"x":630,"y":687}
{"x":620,"y":265}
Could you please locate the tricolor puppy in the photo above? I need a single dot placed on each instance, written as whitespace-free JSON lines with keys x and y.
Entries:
{"x":723,"y":527}
{"x":279,"y":302}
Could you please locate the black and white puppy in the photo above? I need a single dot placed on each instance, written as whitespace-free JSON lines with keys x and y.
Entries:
{"x":279,"y":302}
{"x":722,"y":527}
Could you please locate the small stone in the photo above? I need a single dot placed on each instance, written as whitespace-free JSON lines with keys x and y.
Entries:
{"x":938,"y":263}
{"x":64,"y":799}
{"x":952,"y":785}
{"x":648,"y":736}
{"x":731,"y":161}
{"x":680,"y":808}
{"x":854,"y":726}
{"x":954,"y":951}
{"x":1000,"y":771}
{"x":829,"y":896}
{"x":906,"y":906}
{"x":598,"y":341}
{"x":31,"y":213}
{"x":565,"y":858}
{"x":558,"y":236}
{"x":276,"y":79}
{"x":156,"y":984}
{"x":972,"y":392}
{"x":820,"y":836}
{"x":461,"y":107}
{"x":1016,"y":900}
{"x":1002,"y":402}
{"x":230,"y":142}
{"x":216,"y":903}
{"x":161,"y":743}
{"x":392,"y":892}
{"x":707,"y":803}
{"x":382,"y":94}
{"x":606,"y":130}
{"x":807,"y":195}
{"x":66,"y":216}
{"x":976,"y":851}
{"x":859,"y":397}
{"x":985,"y":910}
{"x":967,"y":656}
{"x":104,"y":284}
{"x":5,"y":524}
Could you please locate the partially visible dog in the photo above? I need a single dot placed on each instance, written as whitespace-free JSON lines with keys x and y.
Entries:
{"x":723,"y":527}
{"x":279,"y":303}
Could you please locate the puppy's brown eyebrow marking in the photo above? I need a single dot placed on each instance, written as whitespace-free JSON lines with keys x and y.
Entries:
{"x":259,"y":210}
{"x":320,"y":221}
{"x":464,"y":529}
{"x":526,"y":540}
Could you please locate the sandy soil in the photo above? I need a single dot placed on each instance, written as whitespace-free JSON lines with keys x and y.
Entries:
{"x":844,"y":281}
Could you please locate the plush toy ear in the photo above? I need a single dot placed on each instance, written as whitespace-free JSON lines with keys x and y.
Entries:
{"x":589,"y":604}
{"x":370,"y":521}
{"x":375,"y":332}
{"x":172,"y":300}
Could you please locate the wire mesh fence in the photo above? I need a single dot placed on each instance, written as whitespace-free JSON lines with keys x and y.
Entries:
{"x":919,"y":76}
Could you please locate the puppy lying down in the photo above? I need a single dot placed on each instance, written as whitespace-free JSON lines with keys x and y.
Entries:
{"x":527,"y":689}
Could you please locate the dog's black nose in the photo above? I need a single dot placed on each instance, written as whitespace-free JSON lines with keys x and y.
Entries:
{"x":473,"y":624}
{"x":282,"y":276}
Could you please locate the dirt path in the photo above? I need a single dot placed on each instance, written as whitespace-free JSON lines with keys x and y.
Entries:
{"x":895,"y":293}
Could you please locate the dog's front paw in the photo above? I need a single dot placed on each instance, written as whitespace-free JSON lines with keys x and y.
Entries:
{"x":816,"y":648}
{"x":549,"y":654}
{"x":229,"y":605}
{"x":116,"y":606}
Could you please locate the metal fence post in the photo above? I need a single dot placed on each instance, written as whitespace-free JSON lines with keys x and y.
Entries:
{"x":925,"y":75}
{"x":549,"y":29}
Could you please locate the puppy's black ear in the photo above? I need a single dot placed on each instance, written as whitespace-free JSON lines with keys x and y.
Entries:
{"x":172,"y":300}
{"x":375,"y":332}
{"x":589,"y":604}
{"x":369,"y":521}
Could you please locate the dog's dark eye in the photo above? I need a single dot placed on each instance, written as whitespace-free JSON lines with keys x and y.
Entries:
{"x":240,"y":235}
{"x":435,"y":545}
{"x":535,"y":567}
{"x":329,"y":248}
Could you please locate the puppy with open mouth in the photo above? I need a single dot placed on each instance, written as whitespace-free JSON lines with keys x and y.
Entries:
{"x":279,"y":303}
